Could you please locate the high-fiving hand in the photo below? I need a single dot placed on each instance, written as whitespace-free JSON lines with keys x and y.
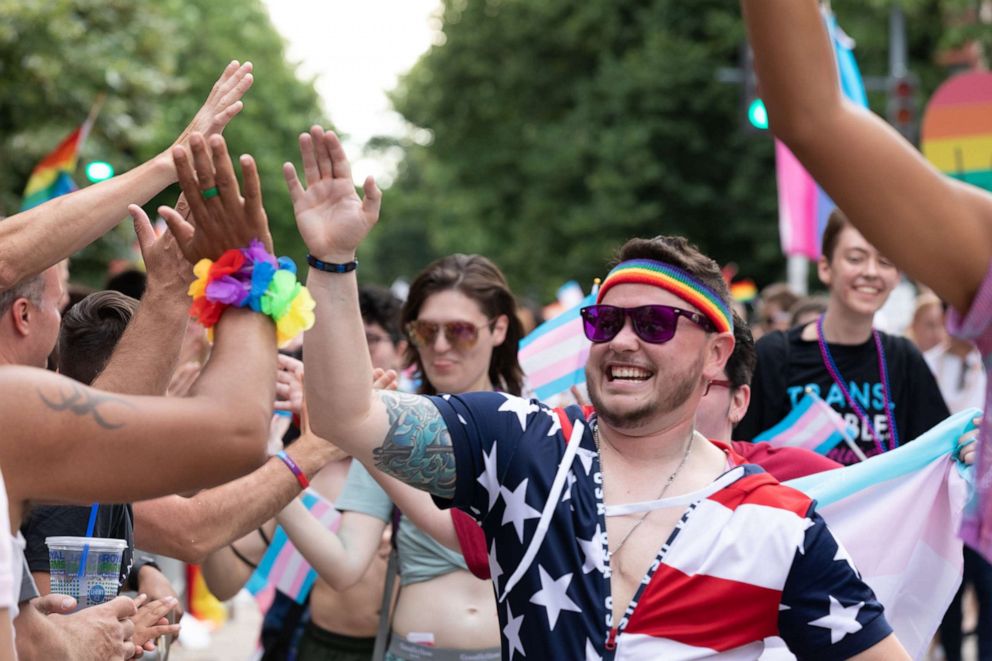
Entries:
{"x":330,"y":215}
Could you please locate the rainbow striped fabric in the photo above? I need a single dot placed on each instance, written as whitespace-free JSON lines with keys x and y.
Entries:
{"x":673,"y":279}
{"x":52,"y":177}
{"x":282,"y":566}
{"x":803,"y":207}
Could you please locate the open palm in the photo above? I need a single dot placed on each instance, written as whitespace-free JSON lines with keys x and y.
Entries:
{"x":330,"y":215}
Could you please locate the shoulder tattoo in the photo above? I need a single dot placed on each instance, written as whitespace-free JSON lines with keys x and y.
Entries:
{"x":75,"y":399}
{"x":417,"y":448}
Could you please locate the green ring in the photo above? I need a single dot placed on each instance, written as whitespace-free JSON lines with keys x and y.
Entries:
{"x":210,"y":192}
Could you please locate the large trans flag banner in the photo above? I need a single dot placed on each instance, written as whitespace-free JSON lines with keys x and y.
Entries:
{"x":897,"y":514}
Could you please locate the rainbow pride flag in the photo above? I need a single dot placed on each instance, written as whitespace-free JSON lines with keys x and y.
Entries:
{"x":283,"y":566}
{"x":553,"y":356}
{"x":52,"y":177}
{"x":803,"y":207}
{"x":897,"y":515}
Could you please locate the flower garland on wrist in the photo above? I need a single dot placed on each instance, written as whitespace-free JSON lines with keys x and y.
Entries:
{"x":252,"y":278}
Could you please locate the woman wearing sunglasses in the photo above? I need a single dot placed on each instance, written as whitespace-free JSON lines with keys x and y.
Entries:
{"x":460,"y":318}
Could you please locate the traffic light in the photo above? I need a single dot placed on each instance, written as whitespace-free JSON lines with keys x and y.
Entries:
{"x":901,"y":106}
{"x":97,"y":171}
{"x":755,"y":115}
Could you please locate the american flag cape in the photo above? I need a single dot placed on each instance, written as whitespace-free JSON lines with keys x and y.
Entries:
{"x":553,"y":356}
{"x":898,"y":514}
{"x":813,"y":425}
{"x":283,"y":566}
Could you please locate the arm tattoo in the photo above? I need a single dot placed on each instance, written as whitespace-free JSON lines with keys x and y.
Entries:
{"x":71,"y":397}
{"x":417,"y":448}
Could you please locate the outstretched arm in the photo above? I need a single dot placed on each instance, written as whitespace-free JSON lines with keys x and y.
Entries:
{"x":340,"y":558}
{"x":89,"y":446}
{"x":35,"y":239}
{"x":936,"y":229}
{"x":146,"y":355}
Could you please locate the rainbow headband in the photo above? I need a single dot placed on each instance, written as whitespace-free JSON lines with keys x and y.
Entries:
{"x":673,"y":279}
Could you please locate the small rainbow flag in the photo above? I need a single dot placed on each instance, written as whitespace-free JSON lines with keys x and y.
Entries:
{"x":52,"y":177}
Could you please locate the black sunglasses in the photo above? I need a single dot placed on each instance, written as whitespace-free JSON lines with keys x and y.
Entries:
{"x":655,"y":324}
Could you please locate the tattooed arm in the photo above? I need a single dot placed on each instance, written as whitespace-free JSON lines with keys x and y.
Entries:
{"x":417,"y":446}
{"x":62,"y":441}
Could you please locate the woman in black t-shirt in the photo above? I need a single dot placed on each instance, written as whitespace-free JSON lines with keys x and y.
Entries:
{"x":875,"y":380}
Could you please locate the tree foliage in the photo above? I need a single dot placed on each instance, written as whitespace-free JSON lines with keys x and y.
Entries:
{"x":157,"y":61}
{"x":556,"y":130}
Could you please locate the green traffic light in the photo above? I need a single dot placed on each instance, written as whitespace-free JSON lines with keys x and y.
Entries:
{"x":99,"y":171}
{"x":758,"y":115}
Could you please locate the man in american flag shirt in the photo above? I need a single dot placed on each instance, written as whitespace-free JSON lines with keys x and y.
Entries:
{"x":626,"y":535}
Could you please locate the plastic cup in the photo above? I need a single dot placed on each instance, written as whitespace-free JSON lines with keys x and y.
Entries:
{"x":100,"y":578}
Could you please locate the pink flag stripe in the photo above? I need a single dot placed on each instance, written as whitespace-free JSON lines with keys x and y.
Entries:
{"x":552,"y":340}
{"x":559,"y":368}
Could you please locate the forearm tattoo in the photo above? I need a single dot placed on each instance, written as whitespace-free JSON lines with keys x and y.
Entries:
{"x":417,"y":448}
{"x":71,"y":397}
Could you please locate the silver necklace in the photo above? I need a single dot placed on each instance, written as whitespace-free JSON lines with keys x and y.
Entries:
{"x":664,"y":489}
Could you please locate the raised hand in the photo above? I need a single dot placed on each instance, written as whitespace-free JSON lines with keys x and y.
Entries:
{"x":224,"y":219}
{"x":330,"y":215}
{"x":167,"y":269}
{"x":223,"y":103}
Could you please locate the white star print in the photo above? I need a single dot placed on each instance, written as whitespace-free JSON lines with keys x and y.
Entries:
{"x":586,"y":457}
{"x":512,"y":632}
{"x":517,"y":510}
{"x":807,"y":524}
{"x":841,"y":621}
{"x":553,"y":597}
{"x":555,"y":422}
{"x":593,"y":552}
{"x":494,"y":569}
{"x":591,"y":653}
{"x":488,"y":479}
{"x":842,"y":554}
{"x":568,"y":486}
{"x":519,"y":407}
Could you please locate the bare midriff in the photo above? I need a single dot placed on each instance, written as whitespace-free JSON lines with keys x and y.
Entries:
{"x":458,"y":608}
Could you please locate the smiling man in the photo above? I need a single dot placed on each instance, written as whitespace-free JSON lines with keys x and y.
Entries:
{"x":624,"y":536}
{"x":880,"y":383}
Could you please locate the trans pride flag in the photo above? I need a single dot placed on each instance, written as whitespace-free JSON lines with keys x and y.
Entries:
{"x":282,"y":566}
{"x":553,"y":356}
{"x":52,"y":177}
{"x":897,"y":514}
{"x":803,"y":207}
{"x":814,"y":425}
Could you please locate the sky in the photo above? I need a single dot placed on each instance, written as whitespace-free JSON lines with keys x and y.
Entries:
{"x":357,"y":49}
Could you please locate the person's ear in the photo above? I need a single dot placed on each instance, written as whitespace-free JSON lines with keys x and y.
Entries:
{"x":823,"y":270}
{"x":740,"y":399}
{"x":21,"y":313}
{"x":720,"y":348}
{"x":500,"y":326}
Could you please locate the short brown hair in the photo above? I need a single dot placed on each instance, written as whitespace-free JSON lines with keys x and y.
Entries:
{"x":90,"y":332}
{"x":480,"y":280}
{"x":677,"y":251}
{"x":831,"y":234}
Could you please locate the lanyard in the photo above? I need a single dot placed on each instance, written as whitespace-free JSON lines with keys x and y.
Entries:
{"x":883,"y":372}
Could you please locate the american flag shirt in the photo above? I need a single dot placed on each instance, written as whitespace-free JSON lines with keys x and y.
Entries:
{"x":749,"y":559}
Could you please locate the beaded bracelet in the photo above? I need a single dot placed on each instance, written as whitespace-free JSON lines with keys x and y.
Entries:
{"x":252,"y":278}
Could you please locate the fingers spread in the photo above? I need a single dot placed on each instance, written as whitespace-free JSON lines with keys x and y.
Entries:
{"x":142,"y":227}
{"x":188,"y":181}
{"x":203,"y":163}
{"x":310,"y":169}
{"x":181,"y":230}
{"x":323,"y":154}
{"x":292,"y":182}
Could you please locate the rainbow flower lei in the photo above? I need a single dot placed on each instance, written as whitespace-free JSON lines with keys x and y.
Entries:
{"x":251,"y":277}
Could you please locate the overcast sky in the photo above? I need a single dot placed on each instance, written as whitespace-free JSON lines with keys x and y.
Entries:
{"x":357,"y":49}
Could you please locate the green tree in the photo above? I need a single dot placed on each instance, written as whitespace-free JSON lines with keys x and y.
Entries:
{"x":557,"y":130}
{"x":157,"y":62}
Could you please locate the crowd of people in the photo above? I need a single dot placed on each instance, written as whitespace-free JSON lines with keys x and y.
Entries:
{"x":475,"y":522}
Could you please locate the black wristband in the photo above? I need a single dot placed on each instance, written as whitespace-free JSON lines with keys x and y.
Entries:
{"x":330,"y":267}
{"x":132,"y":576}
